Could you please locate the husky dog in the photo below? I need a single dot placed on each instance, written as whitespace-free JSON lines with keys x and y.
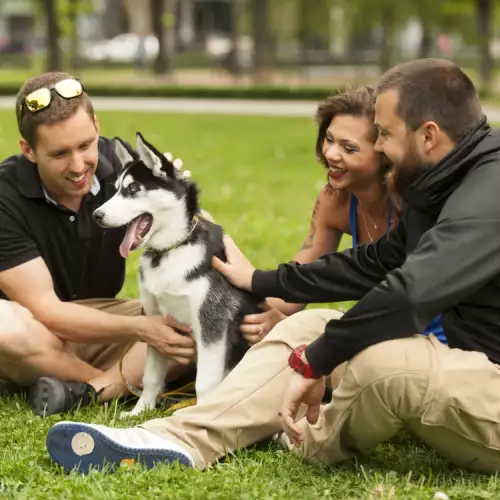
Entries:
{"x":160,"y":208}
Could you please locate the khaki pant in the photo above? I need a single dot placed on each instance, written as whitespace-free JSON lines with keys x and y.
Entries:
{"x":100,"y":356}
{"x":104,"y":356}
{"x":448,"y":397}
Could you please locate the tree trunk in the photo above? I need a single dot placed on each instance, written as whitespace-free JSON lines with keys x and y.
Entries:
{"x":303,"y":11}
{"x":115,"y":19}
{"x":54,"y":55}
{"x":74,"y":56}
{"x":233,"y":59}
{"x":139,"y":16}
{"x":426,"y":42}
{"x":162,"y":10}
{"x":186,"y":23}
{"x":484,"y":10}
{"x":262,"y":46}
{"x":386,"y":42}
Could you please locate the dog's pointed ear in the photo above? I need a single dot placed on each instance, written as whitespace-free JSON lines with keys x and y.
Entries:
{"x":153,"y":159}
{"x":121,"y":150}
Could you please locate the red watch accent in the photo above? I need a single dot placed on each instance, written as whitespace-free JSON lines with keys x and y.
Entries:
{"x":296,"y":363}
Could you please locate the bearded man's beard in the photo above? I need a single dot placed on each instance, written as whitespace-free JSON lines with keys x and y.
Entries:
{"x":408,"y":170}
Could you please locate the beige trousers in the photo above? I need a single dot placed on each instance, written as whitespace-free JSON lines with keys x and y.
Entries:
{"x":100,"y":356}
{"x":448,"y":397}
{"x":104,"y":356}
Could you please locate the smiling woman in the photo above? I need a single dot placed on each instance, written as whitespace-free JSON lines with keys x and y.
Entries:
{"x":354,"y":201}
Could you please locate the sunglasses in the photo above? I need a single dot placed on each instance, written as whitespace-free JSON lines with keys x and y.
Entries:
{"x":41,"y":98}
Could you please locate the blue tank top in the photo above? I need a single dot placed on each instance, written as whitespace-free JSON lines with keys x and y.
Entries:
{"x":435,"y":326}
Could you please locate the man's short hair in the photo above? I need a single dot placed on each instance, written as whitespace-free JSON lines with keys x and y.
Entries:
{"x":59,"y":109}
{"x":437,"y":90}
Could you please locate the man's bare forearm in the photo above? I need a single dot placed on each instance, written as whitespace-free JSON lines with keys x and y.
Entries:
{"x":79,"y":323}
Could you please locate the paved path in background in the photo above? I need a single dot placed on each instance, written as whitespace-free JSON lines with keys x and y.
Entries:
{"x":216,"y":106}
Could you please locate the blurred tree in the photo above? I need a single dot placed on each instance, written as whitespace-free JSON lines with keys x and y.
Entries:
{"x":72,"y":17}
{"x":53,"y":33}
{"x":262,"y":53}
{"x":140,"y":22}
{"x":61,"y":21}
{"x":115,"y":19}
{"x":387,"y":28}
{"x":383,"y":16}
{"x":305,"y":27}
{"x":484,"y":12}
{"x":139,"y":16}
{"x":429,"y":14}
{"x":69,"y":12}
{"x":313,"y":25}
{"x":456,"y":19}
{"x":163,"y":23}
{"x":234,"y":64}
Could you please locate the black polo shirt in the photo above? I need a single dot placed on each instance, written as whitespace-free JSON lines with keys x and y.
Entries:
{"x":83,"y":259}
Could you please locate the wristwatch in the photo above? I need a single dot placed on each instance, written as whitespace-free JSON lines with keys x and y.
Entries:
{"x":298,"y":363}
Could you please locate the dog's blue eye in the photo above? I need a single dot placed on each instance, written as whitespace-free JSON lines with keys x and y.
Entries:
{"x":133,"y":188}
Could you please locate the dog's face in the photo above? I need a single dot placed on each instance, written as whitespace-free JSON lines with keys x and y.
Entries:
{"x":151,"y":196}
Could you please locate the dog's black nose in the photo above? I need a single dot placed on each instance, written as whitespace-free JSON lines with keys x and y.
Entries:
{"x":98,"y":216}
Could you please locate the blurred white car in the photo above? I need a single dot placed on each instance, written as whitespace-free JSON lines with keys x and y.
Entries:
{"x":124,"y":48}
{"x":218,"y":48}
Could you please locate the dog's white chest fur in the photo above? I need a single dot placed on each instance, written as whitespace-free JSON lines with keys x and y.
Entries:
{"x":167,"y":286}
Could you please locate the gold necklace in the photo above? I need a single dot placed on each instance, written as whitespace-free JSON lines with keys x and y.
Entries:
{"x":368,"y":215}
{"x":366,"y":225}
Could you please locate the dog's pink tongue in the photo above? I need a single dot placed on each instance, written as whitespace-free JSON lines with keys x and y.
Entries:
{"x":129,"y":238}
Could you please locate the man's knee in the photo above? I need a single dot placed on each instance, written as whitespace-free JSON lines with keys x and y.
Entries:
{"x":395,"y":373}
{"x":302,"y":327}
{"x":21,"y":335}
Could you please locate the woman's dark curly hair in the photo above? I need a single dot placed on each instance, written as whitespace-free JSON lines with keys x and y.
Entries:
{"x":354,"y":102}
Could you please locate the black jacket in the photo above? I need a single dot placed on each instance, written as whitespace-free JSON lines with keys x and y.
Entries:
{"x":443,"y":257}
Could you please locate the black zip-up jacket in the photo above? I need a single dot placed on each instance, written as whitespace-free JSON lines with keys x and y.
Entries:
{"x":443,"y":257}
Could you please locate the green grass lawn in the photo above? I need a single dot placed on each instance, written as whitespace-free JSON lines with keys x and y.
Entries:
{"x":259,"y":179}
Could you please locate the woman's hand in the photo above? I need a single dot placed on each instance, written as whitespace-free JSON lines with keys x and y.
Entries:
{"x":256,"y":326}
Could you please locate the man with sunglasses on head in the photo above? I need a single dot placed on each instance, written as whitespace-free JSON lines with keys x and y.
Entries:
{"x":63,"y":331}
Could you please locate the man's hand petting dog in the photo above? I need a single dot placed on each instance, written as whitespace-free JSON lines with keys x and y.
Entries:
{"x":238,"y":270}
{"x":256,"y":326}
{"x":161,"y":333}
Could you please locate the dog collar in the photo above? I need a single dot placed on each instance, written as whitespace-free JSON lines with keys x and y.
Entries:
{"x":175,"y":245}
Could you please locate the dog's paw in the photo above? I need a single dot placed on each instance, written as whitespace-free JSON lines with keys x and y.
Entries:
{"x":132,"y":413}
{"x":139,"y":408}
{"x":126,"y":414}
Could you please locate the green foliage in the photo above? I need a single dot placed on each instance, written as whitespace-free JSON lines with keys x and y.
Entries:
{"x":66,"y":9}
{"x":69,"y":10}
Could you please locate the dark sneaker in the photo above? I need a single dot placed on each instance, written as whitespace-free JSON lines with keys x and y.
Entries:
{"x":51,"y":395}
{"x":86,"y":447}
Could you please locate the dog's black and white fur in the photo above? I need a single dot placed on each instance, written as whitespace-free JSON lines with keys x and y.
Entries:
{"x":176,"y":277}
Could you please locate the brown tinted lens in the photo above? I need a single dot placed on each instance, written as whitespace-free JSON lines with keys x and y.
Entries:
{"x":69,"y":88}
{"x":37,"y":100}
